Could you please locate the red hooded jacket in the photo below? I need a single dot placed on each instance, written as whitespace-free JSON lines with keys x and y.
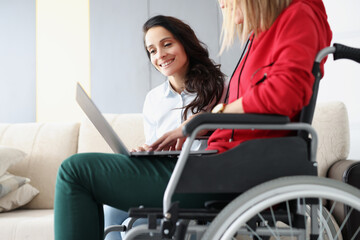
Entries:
{"x":275,"y":73}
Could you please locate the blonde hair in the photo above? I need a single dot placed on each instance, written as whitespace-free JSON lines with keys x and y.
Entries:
{"x":258,"y":15}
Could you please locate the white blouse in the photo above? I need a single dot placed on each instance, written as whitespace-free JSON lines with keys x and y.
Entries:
{"x":162,"y":111}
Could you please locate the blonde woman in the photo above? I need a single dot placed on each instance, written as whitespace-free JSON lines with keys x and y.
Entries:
{"x":274,"y":76}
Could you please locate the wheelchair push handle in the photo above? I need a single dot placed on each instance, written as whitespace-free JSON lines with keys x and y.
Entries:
{"x":342,"y":51}
{"x":339,"y":51}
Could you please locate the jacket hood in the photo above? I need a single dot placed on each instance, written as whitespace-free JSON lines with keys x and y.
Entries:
{"x":317,"y":6}
{"x":319,"y":9}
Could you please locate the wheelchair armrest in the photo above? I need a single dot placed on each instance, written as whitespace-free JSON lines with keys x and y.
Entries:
{"x":210,"y":118}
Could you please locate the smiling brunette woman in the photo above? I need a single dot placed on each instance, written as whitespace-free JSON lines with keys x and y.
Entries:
{"x":85,"y":181}
{"x":192,"y":82}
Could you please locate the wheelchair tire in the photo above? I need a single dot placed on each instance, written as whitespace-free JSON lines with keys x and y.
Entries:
{"x":233,"y":221}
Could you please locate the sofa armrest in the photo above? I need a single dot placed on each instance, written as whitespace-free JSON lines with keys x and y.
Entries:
{"x":347,"y":171}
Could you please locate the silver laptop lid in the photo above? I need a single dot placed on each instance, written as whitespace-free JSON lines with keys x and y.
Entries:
{"x":99,"y":121}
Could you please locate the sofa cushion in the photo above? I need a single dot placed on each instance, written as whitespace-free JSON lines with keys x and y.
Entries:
{"x":46,"y":146}
{"x":10,"y":182}
{"x":27,"y":224}
{"x":18,"y":198}
{"x":332,"y":126}
{"x":129,"y":127}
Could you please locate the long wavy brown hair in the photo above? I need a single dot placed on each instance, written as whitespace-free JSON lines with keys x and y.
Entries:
{"x":204,"y":76}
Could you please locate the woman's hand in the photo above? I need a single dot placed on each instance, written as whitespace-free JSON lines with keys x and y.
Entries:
{"x":172,"y":140}
{"x":143,"y":148}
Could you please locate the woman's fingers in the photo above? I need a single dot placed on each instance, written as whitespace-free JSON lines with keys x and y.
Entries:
{"x":179,"y":143}
{"x":156,"y":144}
{"x":145,"y":147}
{"x":142,"y":148}
{"x":168,"y":140}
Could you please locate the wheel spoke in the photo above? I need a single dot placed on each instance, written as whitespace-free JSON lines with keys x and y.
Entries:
{"x":331,"y":212}
{"x":321,"y":225}
{"x":267,"y":226}
{"x":356,"y":233}
{"x":289,"y":218}
{"x":274,"y":221}
{"x":253,"y":232}
{"x":343,"y":223}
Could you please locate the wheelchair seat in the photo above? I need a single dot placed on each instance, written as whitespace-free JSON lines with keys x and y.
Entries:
{"x":253,"y":162}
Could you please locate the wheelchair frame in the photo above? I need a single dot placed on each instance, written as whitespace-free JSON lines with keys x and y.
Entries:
{"x":169,"y":212}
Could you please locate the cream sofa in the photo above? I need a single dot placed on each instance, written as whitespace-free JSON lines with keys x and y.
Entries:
{"x":48,"y":144}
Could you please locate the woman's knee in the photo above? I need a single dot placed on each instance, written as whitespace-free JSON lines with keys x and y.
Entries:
{"x":75,"y":165}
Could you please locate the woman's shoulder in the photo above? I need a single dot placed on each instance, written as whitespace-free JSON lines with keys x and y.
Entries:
{"x":301,"y":9}
{"x":311,"y":14}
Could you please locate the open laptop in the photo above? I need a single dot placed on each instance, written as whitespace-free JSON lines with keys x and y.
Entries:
{"x":108,"y":133}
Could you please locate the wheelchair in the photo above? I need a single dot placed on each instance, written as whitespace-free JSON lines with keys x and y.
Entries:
{"x":277,"y":193}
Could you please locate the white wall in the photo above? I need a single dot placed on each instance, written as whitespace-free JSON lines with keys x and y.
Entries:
{"x":62,"y":58}
{"x":341,"y":80}
{"x":17,"y":60}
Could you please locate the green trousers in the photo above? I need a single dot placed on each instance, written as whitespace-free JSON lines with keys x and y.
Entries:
{"x":86,"y":181}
